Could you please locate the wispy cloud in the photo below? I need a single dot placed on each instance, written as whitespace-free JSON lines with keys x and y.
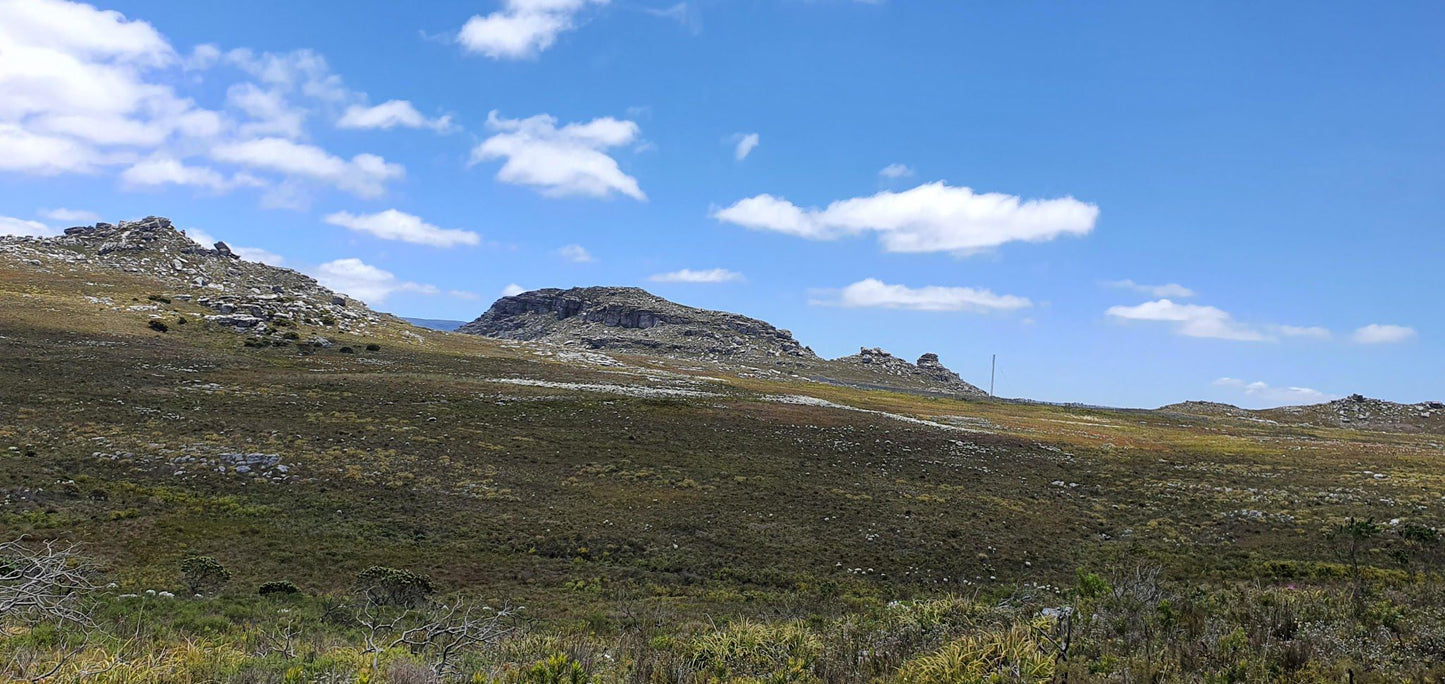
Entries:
{"x":874,"y":293}
{"x":1195,"y":320}
{"x":896,"y":171}
{"x":574,"y":253}
{"x":1263,"y":393}
{"x":1174,"y":290}
{"x":744,"y":144}
{"x":687,"y":275}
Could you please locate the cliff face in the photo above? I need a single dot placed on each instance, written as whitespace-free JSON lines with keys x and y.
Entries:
{"x":631,"y":319}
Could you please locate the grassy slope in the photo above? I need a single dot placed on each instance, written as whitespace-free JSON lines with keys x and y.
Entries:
{"x":578,"y":503}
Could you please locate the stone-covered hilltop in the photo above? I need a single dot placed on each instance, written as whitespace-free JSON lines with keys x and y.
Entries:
{"x":630,"y":319}
{"x":633,"y":321}
{"x":1355,"y":411}
{"x":928,"y":370}
{"x":256,"y":298}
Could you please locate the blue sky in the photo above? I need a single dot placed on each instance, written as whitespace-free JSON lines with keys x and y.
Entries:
{"x":1130,"y":203}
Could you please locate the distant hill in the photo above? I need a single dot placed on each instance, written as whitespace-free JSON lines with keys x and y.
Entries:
{"x":1355,"y":411}
{"x":441,"y":324}
{"x":632,"y":320}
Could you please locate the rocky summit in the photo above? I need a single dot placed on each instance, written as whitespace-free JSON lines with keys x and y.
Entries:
{"x":928,"y":371}
{"x":258,"y":299}
{"x":629,"y":319}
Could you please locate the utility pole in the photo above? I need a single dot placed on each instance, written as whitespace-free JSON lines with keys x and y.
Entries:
{"x":992,"y":366}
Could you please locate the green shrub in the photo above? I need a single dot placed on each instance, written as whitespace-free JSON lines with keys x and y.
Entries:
{"x":159,"y":326}
{"x":278,"y":587}
{"x":390,"y":586}
{"x":347,"y":350}
{"x":373,"y":347}
{"x":292,"y":335}
{"x":204,"y":574}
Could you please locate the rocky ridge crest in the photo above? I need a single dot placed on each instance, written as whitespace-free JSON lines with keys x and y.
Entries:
{"x":629,"y":319}
{"x":246,"y":296}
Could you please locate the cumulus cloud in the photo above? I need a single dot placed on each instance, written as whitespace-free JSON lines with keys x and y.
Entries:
{"x":76,"y":88}
{"x":934,"y":217}
{"x":744,"y":144}
{"x":71,"y":216}
{"x":896,"y":171}
{"x":874,"y":293}
{"x":1383,"y":333}
{"x":687,"y":275}
{"x":395,"y":225}
{"x":521,"y":29}
{"x":359,"y":279}
{"x":25,"y":228}
{"x":1262,"y":392}
{"x":569,"y":160}
{"x":1174,"y":290}
{"x":391,"y":114}
{"x":1190,"y":320}
{"x":575,"y":253}
{"x":513,"y":290}
{"x":84,"y":90}
{"x":365,"y":175}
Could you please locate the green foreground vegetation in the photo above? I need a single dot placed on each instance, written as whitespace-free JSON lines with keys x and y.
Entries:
{"x":458,"y":509}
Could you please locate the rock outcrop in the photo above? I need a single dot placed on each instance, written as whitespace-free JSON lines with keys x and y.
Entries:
{"x":246,"y":296}
{"x":630,"y":319}
{"x":928,"y":371}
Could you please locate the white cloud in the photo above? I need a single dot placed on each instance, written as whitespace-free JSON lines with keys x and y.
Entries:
{"x":686,"y":15}
{"x":23,"y":227}
{"x":463,"y":294}
{"x":933,"y":217}
{"x":84,"y":90}
{"x":364,"y":176}
{"x":300,"y":72}
{"x":513,"y":290}
{"x":575,"y":253}
{"x":896,"y":171}
{"x":78,"y":89}
{"x":874,"y":293}
{"x":389,"y":115}
{"x":395,"y":225}
{"x":1174,"y":290}
{"x":256,"y":254}
{"x":522,"y":29}
{"x":358,"y":279}
{"x":561,"y":161}
{"x":71,"y":216}
{"x":1380,"y":333}
{"x":259,"y":255}
{"x":162,"y":170}
{"x":687,"y":275}
{"x":1276,"y":396}
{"x":1191,"y":320}
{"x":1312,"y":331}
{"x":268,"y":110}
{"x":744,"y":144}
